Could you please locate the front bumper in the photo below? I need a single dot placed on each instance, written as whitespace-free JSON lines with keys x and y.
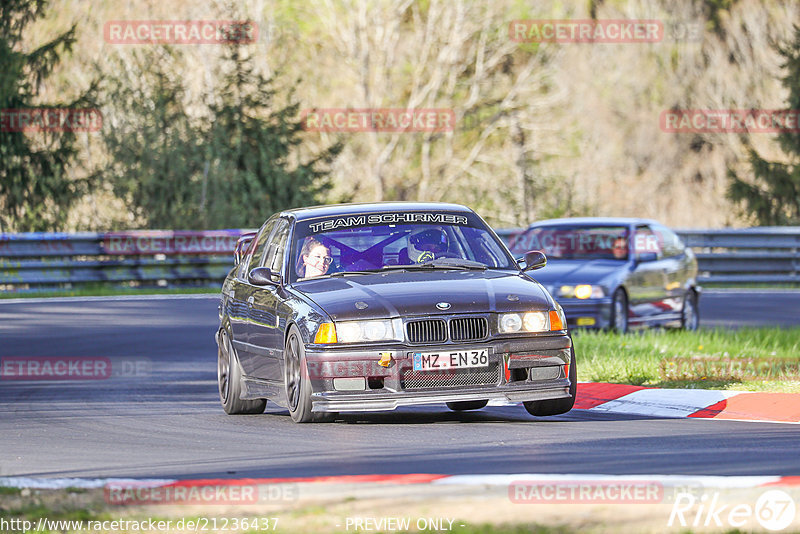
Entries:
{"x":519,"y":370}
{"x":587,"y":313}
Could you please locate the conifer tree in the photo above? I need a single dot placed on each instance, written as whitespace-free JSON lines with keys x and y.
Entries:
{"x":36,"y":189}
{"x":773,"y":197}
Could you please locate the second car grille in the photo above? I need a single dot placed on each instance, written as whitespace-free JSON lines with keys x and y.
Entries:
{"x":427,"y":331}
{"x":468,"y":329}
{"x":436,"y":330}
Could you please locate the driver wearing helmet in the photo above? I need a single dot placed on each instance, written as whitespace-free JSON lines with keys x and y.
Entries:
{"x":427,"y":244}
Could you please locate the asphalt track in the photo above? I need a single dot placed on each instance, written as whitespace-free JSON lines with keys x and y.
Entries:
{"x":160,"y":416}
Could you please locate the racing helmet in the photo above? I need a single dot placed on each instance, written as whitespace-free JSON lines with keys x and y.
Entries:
{"x":426,"y":244}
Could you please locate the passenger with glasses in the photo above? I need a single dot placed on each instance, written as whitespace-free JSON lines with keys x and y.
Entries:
{"x":316,"y":259}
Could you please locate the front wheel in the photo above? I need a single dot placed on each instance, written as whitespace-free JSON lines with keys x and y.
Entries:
{"x":557,"y":406}
{"x":619,"y":311}
{"x":298,"y":384}
{"x":690,"y":314}
{"x":229,"y":381}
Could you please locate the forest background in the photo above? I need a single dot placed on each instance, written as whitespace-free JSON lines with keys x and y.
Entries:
{"x":210,"y":135}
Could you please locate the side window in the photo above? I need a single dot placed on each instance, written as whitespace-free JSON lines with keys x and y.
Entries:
{"x":671,"y":243}
{"x":259,"y":244}
{"x":646,"y":240}
{"x":277,"y":246}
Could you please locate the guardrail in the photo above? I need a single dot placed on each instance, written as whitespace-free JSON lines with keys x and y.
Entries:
{"x":763,"y":255}
{"x":47,"y":261}
{"x":44,"y":261}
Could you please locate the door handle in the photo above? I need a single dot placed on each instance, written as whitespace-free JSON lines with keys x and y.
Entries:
{"x":250,"y":300}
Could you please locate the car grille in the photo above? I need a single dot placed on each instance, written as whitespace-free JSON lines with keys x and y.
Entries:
{"x":427,"y":331}
{"x":436,"y":331}
{"x":451,"y":378}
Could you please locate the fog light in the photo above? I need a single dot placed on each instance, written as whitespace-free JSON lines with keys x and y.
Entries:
{"x":356,"y":383}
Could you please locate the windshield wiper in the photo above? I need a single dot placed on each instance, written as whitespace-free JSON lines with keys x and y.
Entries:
{"x":464,"y":265}
{"x":440,"y":264}
{"x":368,"y":271}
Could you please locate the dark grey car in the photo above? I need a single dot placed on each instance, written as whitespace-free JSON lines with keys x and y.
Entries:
{"x":615,"y":273}
{"x":374,"y":306}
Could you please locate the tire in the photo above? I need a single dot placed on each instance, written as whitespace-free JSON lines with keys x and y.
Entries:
{"x":557,"y":406}
{"x":460,"y":406}
{"x":619,"y":312}
{"x":297,"y":382}
{"x":229,"y":381}
{"x":690,"y":314}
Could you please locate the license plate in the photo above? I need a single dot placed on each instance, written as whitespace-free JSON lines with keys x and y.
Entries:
{"x":457,"y":359}
{"x":585,"y":321}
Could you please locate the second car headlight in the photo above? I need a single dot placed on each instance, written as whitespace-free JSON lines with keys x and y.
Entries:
{"x":365,"y":331}
{"x":582,"y":291}
{"x":533,"y":321}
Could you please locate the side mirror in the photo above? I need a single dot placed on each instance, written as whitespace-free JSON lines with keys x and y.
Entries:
{"x":534,"y":259}
{"x":241,"y":245}
{"x":646,"y":256}
{"x":262,"y":276}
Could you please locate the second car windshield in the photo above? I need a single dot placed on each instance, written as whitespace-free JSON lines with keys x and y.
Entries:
{"x":575,"y":242}
{"x":392,"y":246}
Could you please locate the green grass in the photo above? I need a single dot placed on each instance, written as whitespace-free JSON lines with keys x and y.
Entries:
{"x":752,"y":285}
{"x":650,"y":358}
{"x":106,"y":291}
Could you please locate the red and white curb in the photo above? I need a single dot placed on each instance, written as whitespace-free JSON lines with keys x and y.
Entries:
{"x":403,"y":479}
{"x":696,"y":403}
{"x":413,"y":478}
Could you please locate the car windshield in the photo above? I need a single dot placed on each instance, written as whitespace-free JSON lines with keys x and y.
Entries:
{"x":353,"y":244}
{"x":575,"y":242}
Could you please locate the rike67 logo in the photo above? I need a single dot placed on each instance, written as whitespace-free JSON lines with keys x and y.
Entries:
{"x":774,"y":510}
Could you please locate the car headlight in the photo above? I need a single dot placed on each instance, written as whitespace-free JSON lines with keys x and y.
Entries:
{"x":358,"y":331}
{"x":582,"y":291}
{"x":510,"y":322}
{"x":532,"y":321}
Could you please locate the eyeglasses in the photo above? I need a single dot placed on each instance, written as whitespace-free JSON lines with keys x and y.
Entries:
{"x":327,"y":260}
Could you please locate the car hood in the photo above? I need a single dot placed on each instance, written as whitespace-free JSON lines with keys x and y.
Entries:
{"x":404,"y":294}
{"x":579,"y":271}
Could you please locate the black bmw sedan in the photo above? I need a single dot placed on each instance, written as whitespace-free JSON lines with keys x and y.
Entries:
{"x":615,"y":273}
{"x":365,"y":307}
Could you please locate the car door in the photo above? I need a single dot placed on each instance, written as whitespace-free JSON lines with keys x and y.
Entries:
{"x":676,"y":267}
{"x":647,"y":290}
{"x":264,"y":333}
{"x":244,"y":296}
